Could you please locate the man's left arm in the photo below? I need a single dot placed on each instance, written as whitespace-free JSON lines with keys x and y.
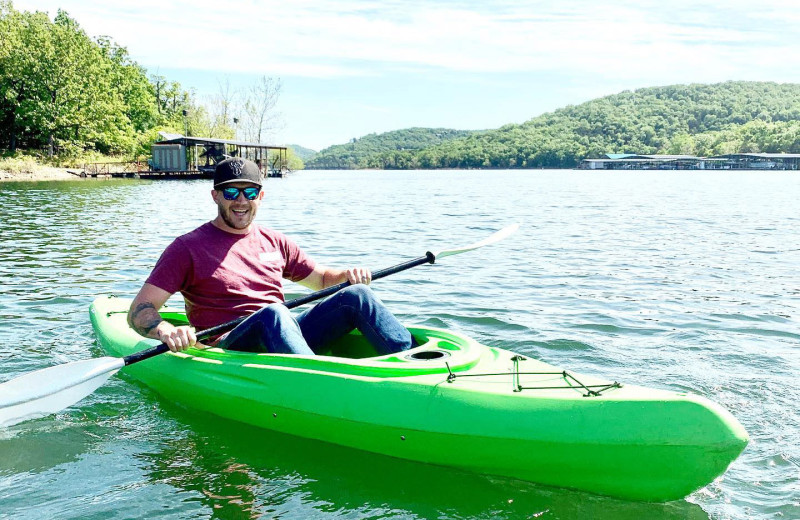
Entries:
{"x":322,"y":277}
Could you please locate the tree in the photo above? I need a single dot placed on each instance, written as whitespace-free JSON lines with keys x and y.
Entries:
{"x":58,"y":88}
{"x":65,"y":92}
{"x":19,"y":34}
{"x":681,"y":144}
{"x":222,"y":111}
{"x":260,"y":119}
{"x":78,"y":105}
{"x":130,"y":79}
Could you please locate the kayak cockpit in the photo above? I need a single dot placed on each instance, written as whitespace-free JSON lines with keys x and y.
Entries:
{"x":437,"y":351}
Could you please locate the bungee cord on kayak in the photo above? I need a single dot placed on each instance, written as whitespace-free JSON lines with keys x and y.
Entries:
{"x":591,"y":390}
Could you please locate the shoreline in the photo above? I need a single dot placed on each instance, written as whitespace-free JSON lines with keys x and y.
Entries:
{"x":42,"y":173}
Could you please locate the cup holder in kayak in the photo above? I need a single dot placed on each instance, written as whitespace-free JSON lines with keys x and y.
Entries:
{"x":428,"y":355}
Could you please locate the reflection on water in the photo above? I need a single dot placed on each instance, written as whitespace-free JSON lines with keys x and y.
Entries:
{"x":677,"y":280}
{"x":236,"y":470}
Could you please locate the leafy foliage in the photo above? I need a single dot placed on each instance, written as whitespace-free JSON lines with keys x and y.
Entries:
{"x":692,"y":119}
{"x":301,"y":152}
{"x":293,"y":161}
{"x":62,"y":92}
{"x":391,"y":150}
{"x":59,"y":89}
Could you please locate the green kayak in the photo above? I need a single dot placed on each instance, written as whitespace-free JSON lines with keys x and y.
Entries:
{"x":453,"y":402}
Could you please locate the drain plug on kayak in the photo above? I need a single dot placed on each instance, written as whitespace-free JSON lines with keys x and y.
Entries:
{"x":428,"y":355}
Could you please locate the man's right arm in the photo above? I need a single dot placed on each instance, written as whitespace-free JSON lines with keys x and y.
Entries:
{"x":143,"y":317}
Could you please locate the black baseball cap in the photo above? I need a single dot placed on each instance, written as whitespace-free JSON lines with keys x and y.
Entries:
{"x":237,"y":169}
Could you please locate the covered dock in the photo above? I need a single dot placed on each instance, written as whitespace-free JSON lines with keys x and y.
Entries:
{"x":643,"y":162}
{"x":736,"y":161}
{"x":177,"y":153}
{"x":180,"y":157}
{"x":755,"y":161}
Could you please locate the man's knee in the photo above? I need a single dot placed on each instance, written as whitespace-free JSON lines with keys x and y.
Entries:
{"x":358,"y":294}
{"x":274,"y":313}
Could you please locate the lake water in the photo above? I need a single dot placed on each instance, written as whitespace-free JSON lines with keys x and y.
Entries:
{"x":676,"y":280}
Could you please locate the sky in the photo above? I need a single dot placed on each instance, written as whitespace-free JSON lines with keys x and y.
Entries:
{"x":355,"y":67}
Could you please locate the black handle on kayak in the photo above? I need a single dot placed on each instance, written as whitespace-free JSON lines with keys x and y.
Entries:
{"x":429,"y":258}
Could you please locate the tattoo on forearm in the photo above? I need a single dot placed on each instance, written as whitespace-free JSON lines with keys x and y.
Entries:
{"x":139,"y":308}
{"x":150,"y":326}
{"x":144,"y":318}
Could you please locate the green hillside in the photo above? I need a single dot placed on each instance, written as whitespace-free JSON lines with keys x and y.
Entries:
{"x":694,"y":119}
{"x":381,"y":150}
{"x":303,"y":153}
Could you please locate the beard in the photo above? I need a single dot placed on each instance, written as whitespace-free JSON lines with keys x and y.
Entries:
{"x":238,"y":221}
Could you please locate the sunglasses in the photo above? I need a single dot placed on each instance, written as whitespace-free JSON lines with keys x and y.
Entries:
{"x":250,"y":193}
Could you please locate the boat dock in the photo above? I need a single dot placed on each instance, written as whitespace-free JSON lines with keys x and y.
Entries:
{"x":181,"y":157}
{"x":734,"y":161}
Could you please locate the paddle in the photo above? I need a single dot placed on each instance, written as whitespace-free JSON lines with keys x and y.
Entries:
{"x":52,"y":389}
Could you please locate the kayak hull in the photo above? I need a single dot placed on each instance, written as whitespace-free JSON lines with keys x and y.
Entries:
{"x":453,"y":402}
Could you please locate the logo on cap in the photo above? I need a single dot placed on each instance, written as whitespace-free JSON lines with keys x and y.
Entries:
{"x":236,"y":167}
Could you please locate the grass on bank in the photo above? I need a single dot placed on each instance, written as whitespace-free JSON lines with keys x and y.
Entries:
{"x":26,"y":161}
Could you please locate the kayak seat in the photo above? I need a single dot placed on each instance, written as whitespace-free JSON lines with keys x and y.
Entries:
{"x":354,"y":346}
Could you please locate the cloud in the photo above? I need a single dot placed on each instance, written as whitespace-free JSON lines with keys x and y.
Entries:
{"x":316,"y":38}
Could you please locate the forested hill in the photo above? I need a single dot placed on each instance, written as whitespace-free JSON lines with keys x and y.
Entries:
{"x":695,"y":119}
{"x":367,"y":151}
{"x":303,"y":153}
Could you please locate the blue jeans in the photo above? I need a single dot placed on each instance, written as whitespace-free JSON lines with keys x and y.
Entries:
{"x":274,"y":329}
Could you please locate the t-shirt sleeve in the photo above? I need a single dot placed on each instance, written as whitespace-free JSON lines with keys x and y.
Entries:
{"x":298,"y":264}
{"x":173,"y":270}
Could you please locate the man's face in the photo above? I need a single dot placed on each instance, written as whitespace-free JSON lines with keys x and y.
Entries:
{"x":239,"y":212}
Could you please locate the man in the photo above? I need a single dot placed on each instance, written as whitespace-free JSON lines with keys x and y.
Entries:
{"x":231,"y":267}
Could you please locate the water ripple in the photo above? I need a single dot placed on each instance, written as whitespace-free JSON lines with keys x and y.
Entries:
{"x":684,"y":281}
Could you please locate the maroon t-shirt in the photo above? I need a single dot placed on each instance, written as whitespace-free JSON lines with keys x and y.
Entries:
{"x":224,"y":276}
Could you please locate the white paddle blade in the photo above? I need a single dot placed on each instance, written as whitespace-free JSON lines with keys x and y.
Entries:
{"x":491,"y":239}
{"x":52,"y":389}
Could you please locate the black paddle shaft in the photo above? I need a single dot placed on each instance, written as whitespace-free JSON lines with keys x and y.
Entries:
{"x":429,"y":258}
